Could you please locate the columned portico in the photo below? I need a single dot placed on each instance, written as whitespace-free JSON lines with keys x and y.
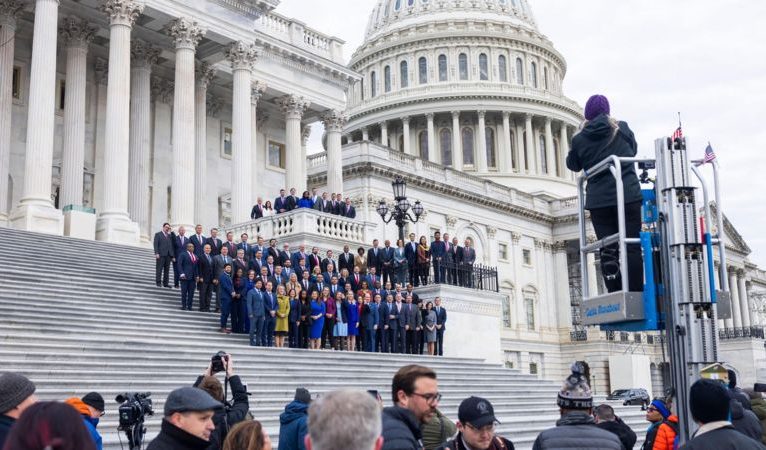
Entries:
{"x":143,"y":56}
{"x":293,"y":107}
{"x":204,"y":74}
{"x":242,"y":56}
{"x":186,"y":35}
{"x":9,"y":12}
{"x":333,"y":122}
{"x":35,"y":211}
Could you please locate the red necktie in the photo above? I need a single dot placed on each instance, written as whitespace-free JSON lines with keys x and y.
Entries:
{"x":194,"y":260}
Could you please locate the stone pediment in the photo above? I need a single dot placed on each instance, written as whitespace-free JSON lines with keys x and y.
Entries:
{"x":734,"y":240}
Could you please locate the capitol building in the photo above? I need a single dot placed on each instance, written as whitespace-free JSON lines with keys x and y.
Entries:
{"x":119,"y":115}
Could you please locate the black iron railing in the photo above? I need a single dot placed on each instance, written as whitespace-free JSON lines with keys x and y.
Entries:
{"x":741,"y":333}
{"x":473,"y":276}
{"x":578,"y":335}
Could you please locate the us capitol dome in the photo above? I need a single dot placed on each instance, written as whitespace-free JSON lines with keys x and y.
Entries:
{"x":470,"y":84}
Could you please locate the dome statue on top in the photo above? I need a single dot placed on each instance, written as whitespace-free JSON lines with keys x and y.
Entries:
{"x":469,"y":84}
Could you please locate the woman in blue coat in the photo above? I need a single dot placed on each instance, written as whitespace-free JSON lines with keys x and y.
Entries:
{"x":353,"y":321}
{"x":317,"y":320}
{"x":305,"y":201}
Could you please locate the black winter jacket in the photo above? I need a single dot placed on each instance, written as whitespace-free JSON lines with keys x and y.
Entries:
{"x":726,"y":438}
{"x":173,"y":438}
{"x":744,"y":421}
{"x":498,"y":442}
{"x":623,"y":432}
{"x":576,"y":430}
{"x":593,"y":144}
{"x":225,"y":420}
{"x":401,"y":430}
{"x":5,"y":428}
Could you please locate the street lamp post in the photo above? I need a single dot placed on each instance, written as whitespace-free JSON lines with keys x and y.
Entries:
{"x":400,"y":213}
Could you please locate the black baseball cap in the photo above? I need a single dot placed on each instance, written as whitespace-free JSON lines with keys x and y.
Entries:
{"x":476,"y":411}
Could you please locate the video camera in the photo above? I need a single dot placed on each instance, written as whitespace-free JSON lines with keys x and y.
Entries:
{"x":134,"y":407}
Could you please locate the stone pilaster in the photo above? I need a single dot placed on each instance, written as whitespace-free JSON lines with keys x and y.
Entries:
{"x":457,"y":142}
{"x":204,"y":75}
{"x":305,"y":135}
{"x":406,"y":139}
{"x":186,"y":35}
{"x":333,"y":123}
{"x":293,"y":107}
{"x":384,"y":133}
{"x":35,"y":211}
{"x":736,"y":314}
{"x":258,"y":158}
{"x":101,"y":72}
{"x":481,"y":149}
{"x":76,"y":35}
{"x":9,"y":12}
{"x":142,"y":56}
{"x":242,"y":56}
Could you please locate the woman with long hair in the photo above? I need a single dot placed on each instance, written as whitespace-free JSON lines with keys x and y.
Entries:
{"x":340,"y":329}
{"x":283,"y":316}
{"x":49,"y":426}
{"x":305,"y":322}
{"x":353,"y":321}
{"x":400,"y":264}
{"x":599,"y":137}
{"x":295,"y":318}
{"x":268,"y":210}
{"x":423,"y":260}
{"x":317,"y":320}
{"x":247,"y":435}
{"x":430,"y":328}
{"x":238,"y":306}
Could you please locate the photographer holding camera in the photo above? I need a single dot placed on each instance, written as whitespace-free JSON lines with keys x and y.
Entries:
{"x":234,"y":411}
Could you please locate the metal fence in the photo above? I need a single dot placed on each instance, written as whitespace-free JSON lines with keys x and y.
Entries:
{"x":578,"y":335}
{"x":739,"y":333}
{"x":473,"y":276}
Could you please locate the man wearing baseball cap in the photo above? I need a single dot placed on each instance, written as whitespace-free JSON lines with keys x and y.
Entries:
{"x":188,"y":420}
{"x":476,"y":428}
{"x":17,"y":393}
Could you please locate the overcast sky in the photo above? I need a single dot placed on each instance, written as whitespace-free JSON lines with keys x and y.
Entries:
{"x":704,"y":58}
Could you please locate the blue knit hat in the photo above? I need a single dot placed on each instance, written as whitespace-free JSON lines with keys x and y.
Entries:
{"x":597,"y":104}
{"x":661,"y":408}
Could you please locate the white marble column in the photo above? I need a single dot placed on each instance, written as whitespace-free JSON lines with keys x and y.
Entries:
{"x":76,"y":35}
{"x":186,"y":35}
{"x":258,"y":184}
{"x":9,"y":13}
{"x":204,"y":75}
{"x":333,"y":124}
{"x":406,"y":135}
{"x":481,"y":149}
{"x":433,"y":152}
{"x":521,"y":159}
{"x":365,"y":134}
{"x":560,"y":276}
{"x":293,"y":107}
{"x":563,"y":150}
{"x":384,"y":133}
{"x":143,"y":56}
{"x":550,"y":153}
{"x":506,"y":156}
{"x":736,"y":313}
{"x":101,"y":71}
{"x":305,"y":135}
{"x":744,"y":306}
{"x":242,"y":56}
{"x":530,"y":143}
{"x":457,"y":142}
{"x":35,"y":211}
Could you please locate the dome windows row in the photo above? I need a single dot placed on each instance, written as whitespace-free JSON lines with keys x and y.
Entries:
{"x":524,"y":73}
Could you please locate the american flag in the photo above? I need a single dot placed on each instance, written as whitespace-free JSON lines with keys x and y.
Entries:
{"x":709,"y":154}
{"x":678,"y":134}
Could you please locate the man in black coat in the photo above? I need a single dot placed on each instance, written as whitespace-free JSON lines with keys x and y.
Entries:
{"x":179,"y":246}
{"x":215,"y":242}
{"x":348,"y":209}
{"x":205,"y":271}
{"x":164,"y":253}
{"x":346,"y":260}
{"x":188,"y":422}
{"x":476,"y":428}
{"x":375,"y":257}
{"x":415,"y":394}
{"x":411,"y":253}
{"x":606,"y":420}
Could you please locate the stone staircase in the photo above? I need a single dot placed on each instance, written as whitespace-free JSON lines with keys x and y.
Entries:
{"x":79,"y":316}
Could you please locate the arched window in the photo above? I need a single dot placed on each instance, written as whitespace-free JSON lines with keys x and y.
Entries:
{"x":422,"y":70}
{"x":387,"y":78}
{"x":423,"y":144}
{"x":545,"y":78}
{"x":543,"y":156}
{"x":404,"y":75}
{"x":533,"y":74}
{"x":373,"y":84}
{"x":467,"y":135}
{"x":445,"y":145}
{"x":514,"y":163}
{"x":442,"y":67}
{"x":398,"y":5}
{"x":502,"y":68}
{"x":489,"y":134}
{"x":462,"y":61}
{"x":519,"y":71}
{"x":483,"y":67}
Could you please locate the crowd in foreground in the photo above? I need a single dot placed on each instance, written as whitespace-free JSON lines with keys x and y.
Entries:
{"x":200,"y":417}
{"x":282,"y":297}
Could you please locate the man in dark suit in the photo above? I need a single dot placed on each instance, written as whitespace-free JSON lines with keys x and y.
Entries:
{"x":239,"y":262}
{"x":467,"y":260}
{"x":187,"y":266}
{"x":218,"y":264}
{"x":374,"y":257}
{"x":411,"y":253}
{"x":257,"y":211}
{"x":205,"y":271}
{"x":387,"y":262}
{"x":441,"y":321}
{"x":270,"y":304}
{"x":198,"y":240}
{"x":230,"y":245}
{"x":373,"y":278}
{"x":301,"y":268}
{"x":323,"y":204}
{"x":280,"y":203}
{"x":410,"y":291}
{"x":277,"y":279}
{"x":454,"y":261}
{"x":297,"y":256}
{"x":346,"y":260}
{"x":179,"y":246}
{"x":412,"y":322}
{"x":314,"y":259}
{"x":384,"y":330}
{"x":335,"y":204}
{"x":305,"y":281}
{"x":398,"y":334}
{"x":348,"y":209}
{"x":255,"y":263}
{"x":215,"y":243}
{"x":438,"y":252}
{"x":318,"y":285}
{"x":164,"y":253}
{"x":284,"y":255}
{"x":272,"y":251}
{"x":329,"y":259}
{"x":356,"y":279}
{"x":246,"y":247}
{"x":292,"y":200}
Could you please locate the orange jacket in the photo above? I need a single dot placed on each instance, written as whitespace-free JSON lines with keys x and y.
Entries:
{"x":666,"y":435}
{"x":77,"y":404}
